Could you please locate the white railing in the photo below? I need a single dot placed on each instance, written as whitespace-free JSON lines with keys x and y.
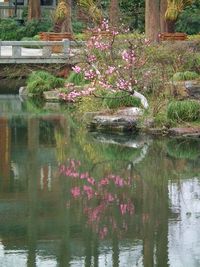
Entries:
{"x":38,"y":51}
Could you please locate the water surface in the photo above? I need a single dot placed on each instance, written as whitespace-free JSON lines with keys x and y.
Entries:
{"x":73,"y":198}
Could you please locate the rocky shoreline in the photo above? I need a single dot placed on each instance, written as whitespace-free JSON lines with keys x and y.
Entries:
{"x":131,"y":119}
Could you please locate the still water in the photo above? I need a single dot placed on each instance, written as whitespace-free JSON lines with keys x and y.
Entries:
{"x":73,"y":198}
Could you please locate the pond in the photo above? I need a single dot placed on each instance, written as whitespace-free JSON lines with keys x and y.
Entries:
{"x":69,"y":197}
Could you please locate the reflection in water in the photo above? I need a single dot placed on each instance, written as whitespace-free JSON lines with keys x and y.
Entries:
{"x":69,"y":198}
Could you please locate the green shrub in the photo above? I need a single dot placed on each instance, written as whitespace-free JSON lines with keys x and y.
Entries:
{"x":120,"y":99}
{"x":184,"y":76}
{"x":11,"y":30}
{"x":41,"y":81}
{"x":187,"y":110}
{"x":188,"y":20}
{"x":78,"y":26}
{"x":33,"y":27}
{"x":76,"y":78}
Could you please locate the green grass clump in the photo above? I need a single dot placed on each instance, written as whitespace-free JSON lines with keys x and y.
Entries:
{"x":120,"y":99}
{"x":77,"y":78}
{"x":184,"y":76}
{"x":187,"y":110}
{"x":41,"y":81}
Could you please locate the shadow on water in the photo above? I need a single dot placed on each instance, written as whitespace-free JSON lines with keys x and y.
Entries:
{"x":73,"y":198}
{"x":11,"y":86}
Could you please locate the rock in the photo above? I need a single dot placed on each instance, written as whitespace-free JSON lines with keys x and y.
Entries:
{"x":51,"y":95}
{"x":187,"y":89}
{"x":133,"y":111}
{"x":186,"y":132}
{"x":114,"y":123}
{"x":193,"y":89}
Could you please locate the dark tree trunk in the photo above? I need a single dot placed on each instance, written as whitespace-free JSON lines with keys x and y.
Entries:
{"x":114,"y":13}
{"x":152,"y":19}
{"x":171,"y":26}
{"x":34,"y":11}
{"x":67,"y":23}
{"x":163,"y":8}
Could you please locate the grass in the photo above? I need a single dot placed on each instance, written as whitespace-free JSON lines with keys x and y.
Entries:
{"x":185,"y":76}
{"x":120,"y":99}
{"x":183,"y":111}
{"x":41,"y":81}
{"x":77,"y":78}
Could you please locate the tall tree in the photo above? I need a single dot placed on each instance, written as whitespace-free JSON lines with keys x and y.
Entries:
{"x":63,"y":17}
{"x":114,"y":13}
{"x":34,"y":10}
{"x":152,"y":19}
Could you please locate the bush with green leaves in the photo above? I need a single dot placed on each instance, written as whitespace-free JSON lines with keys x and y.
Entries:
{"x":41,"y":81}
{"x":33,"y":27}
{"x":185,"y":76}
{"x":76,"y":78}
{"x":11,"y":30}
{"x":188,"y":20}
{"x":120,"y":99}
{"x":183,"y":111}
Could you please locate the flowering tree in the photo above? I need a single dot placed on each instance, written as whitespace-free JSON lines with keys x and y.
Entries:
{"x":110,"y":64}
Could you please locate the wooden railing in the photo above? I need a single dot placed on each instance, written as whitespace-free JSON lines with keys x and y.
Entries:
{"x":39,"y":52}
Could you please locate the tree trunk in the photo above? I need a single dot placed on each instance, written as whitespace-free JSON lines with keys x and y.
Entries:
{"x":163,"y":8}
{"x":152,"y":19}
{"x":171,"y":26}
{"x":114,"y":13}
{"x":67,"y":23}
{"x":34,"y":11}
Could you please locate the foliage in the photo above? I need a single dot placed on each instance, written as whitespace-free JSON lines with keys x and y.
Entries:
{"x":188,"y":20}
{"x":120,"y":99}
{"x":133,"y":14}
{"x":180,"y":111}
{"x":175,"y":7}
{"x":110,"y":65}
{"x":33,"y":27}
{"x":184,"y":76}
{"x":76,"y":78}
{"x":92,"y":10}
{"x":61,"y":11}
{"x":40,"y":81}
{"x":11,"y":30}
{"x":78,"y":26}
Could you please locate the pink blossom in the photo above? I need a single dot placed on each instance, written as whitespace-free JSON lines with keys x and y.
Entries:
{"x":91,"y":180}
{"x":109,"y":197}
{"x":92,"y":58}
{"x":123,"y":208}
{"x":75,"y":191}
{"x":84,"y":175}
{"x":104,"y":181}
{"x":76,"y":69}
{"x":110,"y":70}
{"x":119,"y":181}
{"x":89,"y":191}
{"x":103,"y":232}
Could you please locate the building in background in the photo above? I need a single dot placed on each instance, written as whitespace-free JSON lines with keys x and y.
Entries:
{"x":14,"y":8}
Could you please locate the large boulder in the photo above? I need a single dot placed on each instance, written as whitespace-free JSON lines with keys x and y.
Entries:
{"x":114,"y":123}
